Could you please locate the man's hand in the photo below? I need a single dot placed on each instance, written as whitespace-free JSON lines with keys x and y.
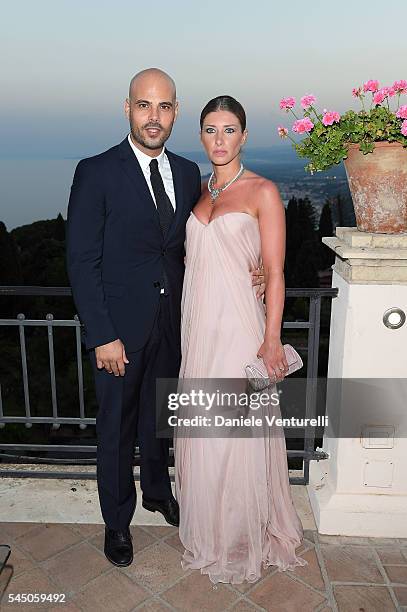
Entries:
{"x":112,"y":357}
{"x":258,"y":279}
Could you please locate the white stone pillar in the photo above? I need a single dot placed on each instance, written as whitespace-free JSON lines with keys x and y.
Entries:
{"x":361,"y":490}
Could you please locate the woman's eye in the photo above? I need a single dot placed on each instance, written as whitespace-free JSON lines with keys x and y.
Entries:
{"x":209,"y":130}
{"x":229,"y":131}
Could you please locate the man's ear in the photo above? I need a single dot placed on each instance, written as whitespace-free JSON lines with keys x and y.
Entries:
{"x":127,"y":107}
{"x":176,"y":110}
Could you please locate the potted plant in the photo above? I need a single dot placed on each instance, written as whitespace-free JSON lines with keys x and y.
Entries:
{"x":373,"y":144}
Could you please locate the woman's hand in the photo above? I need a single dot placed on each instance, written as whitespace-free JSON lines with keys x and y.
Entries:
{"x":258,"y":280}
{"x":273,"y":355}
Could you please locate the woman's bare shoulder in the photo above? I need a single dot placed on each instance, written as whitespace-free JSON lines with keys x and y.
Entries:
{"x":261,"y":182}
{"x":263,"y":188}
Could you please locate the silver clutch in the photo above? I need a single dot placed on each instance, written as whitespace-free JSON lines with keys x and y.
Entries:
{"x":257,"y":374}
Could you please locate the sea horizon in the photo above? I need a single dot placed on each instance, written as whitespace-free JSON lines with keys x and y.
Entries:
{"x":37,"y":188}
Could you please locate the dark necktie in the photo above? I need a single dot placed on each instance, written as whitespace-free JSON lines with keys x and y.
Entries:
{"x":164,"y":207}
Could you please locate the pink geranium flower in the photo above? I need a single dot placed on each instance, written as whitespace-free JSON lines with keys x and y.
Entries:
{"x":330,"y":117}
{"x":303,"y":125}
{"x":382,"y":94}
{"x":287,"y":103}
{"x":400,"y":86}
{"x":308,"y":100}
{"x":371,"y":86}
{"x":282,"y":131}
{"x":379,"y":96}
{"x":388,"y":91}
{"x":356,"y":91}
{"x":402,"y":112}
{"x":404,"y":128}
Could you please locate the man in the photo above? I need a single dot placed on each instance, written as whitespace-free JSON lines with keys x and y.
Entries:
{"x":125,"y":253}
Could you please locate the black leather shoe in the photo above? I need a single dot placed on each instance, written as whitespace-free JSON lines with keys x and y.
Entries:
{"x":168,"y":507}
{"x":118,"y":547}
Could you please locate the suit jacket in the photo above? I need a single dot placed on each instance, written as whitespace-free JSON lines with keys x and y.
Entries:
{"x":116,"y":254}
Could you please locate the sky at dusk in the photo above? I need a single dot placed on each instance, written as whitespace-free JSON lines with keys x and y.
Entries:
{"x":67,"y":64}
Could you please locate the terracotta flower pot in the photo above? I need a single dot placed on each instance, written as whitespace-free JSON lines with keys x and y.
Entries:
{"x":378,"y":185}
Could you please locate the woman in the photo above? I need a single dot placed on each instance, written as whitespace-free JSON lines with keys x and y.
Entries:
{"x":236,"y":511}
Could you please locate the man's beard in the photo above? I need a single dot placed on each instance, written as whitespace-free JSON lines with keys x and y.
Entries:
{"x":150,"y":143}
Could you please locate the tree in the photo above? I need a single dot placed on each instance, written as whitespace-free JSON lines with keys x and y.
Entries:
{"x":343,"y":211}
{"x":300,"y":223}
{"x":325,"y":227}
{"x":10,"y":263}
{"x":59,"y":233}
{"x":326,"y":256}
{"x":306,"y":265}
{"x":291,"y":216}
{"x":306,"y":219}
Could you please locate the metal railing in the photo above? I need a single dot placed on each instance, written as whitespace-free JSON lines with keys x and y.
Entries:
{"x":55,"y":420}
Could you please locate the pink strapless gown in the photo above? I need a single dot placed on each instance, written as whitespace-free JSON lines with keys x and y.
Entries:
{"x":236,"y":510}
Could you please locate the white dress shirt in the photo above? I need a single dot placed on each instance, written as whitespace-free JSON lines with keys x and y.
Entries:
{"x":163,"y":166}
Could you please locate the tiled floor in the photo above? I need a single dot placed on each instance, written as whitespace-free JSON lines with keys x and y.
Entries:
{"x":343,"y":573}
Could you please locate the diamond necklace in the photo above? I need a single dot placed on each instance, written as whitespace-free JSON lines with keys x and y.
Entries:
{"x":215,"y":193}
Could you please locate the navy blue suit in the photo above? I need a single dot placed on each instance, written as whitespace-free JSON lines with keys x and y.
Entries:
{"x":116,"y":258}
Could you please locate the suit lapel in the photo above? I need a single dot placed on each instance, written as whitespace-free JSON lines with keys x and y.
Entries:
{"x":134,"y":172}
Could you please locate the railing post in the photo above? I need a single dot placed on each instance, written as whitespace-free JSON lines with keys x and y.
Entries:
{"x":80,"y":372}
{"x":312,"y":378}
{"x":24,"y":368}
{"x":50,"y":319}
